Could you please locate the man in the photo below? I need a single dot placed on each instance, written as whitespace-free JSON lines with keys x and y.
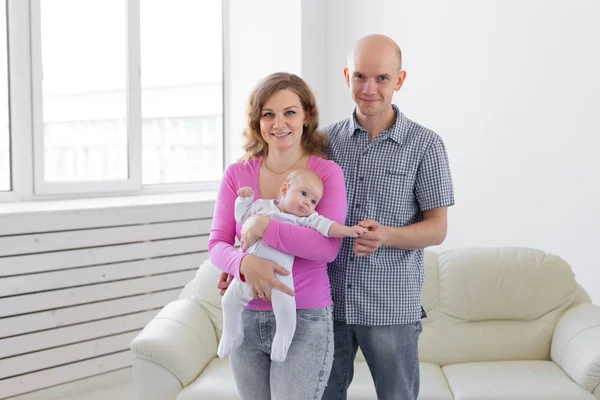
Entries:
{"x":399,"y":187}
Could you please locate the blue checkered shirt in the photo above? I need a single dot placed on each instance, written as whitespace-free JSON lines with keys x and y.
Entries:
{"x":392,"y":179}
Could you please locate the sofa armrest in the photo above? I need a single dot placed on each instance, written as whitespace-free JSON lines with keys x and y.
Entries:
{"x":576,"y":345}
{"x":181,"y":338}
{"x":153,"y":381}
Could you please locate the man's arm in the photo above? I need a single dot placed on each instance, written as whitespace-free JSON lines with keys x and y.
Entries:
{"x":429,"y":232}
{"x":434,"y":192}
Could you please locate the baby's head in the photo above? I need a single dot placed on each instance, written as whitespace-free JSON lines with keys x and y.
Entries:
{"x":301,"y":192}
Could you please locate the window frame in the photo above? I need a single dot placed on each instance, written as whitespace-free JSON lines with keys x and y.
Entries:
{"x":26,"y":113}
{"x":19,"y":100}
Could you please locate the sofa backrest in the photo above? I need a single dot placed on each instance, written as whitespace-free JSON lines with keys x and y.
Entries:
{"x":493,"y":304}
{"x":203,"y":288}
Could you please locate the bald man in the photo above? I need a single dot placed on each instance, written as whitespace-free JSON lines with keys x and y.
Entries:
{"x":399,"y":188}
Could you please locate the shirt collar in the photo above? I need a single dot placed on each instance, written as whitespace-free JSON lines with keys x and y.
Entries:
{"x":395,"y":132}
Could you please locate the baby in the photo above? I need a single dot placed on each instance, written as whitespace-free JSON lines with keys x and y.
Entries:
{"x":299,"y":196}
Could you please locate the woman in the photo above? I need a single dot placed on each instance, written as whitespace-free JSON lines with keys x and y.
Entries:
{"x":281,"y":135}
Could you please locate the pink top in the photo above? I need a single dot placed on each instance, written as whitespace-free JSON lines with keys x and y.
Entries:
{"x":312,"y":250}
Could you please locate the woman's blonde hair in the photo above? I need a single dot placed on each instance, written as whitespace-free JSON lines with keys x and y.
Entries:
{"x":312,"y":141}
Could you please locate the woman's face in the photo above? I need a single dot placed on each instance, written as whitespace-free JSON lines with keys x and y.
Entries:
{"x":281,"y":121}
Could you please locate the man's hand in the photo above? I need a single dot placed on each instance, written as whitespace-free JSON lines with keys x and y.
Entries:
{"x":375,"y":237}
{"x":224,"y":282}
{"x":253,"y":230}
{"x":245,"y":191}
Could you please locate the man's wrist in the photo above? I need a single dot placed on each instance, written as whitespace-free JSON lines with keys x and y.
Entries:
{"x":387,"y":236}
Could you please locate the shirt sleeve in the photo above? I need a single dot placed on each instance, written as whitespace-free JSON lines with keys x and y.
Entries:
{"x":221,"y":248}
{"x":433,"y":186}
{"x":317,"y":222}
{"x":243,"y":208}
{"x":305,"y":242}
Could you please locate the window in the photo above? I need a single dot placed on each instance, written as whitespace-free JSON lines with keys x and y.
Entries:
{"x":182,"y":101}
{"x":112,"y":97}
{"x":133,"y":98}
{"x":84,"y":90}
{"x":5,"y":173}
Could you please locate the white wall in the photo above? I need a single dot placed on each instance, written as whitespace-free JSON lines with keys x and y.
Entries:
{"x":314,"y":49}
{"x":264,"y":36}
{"x":513,"y":88}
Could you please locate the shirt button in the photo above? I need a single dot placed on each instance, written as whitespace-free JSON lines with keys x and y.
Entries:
{"x":351,"y":258}
{"x":357,"y":205}
{"x":349,"y":286}
{"x":361,"y":178}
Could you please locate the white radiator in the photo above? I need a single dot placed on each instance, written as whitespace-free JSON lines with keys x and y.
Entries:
{"x":76,"y":287}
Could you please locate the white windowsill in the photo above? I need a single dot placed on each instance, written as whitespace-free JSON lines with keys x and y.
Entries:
{"x":105,"y":202}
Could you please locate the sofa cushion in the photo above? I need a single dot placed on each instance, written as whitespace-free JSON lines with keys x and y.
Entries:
{"x":509,"y":380}
{"x":453,"y":341}
{"x":493,"y":304}
{"x":216,"y":383}
{"x":503,"y":284}
{"x":433,"y":384}
{"x":362,"y":387}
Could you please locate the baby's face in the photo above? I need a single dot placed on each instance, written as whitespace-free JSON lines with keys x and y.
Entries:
{"x":302,"y":196}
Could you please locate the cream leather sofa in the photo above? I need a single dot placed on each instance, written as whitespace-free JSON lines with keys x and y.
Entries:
{"x":504,"y":323}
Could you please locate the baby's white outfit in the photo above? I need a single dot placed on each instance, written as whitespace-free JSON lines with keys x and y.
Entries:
{"x":239,"y":293}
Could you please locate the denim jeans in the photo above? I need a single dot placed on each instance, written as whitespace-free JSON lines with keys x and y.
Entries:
{"x":391,"y":352}
{"x":304,"y":373}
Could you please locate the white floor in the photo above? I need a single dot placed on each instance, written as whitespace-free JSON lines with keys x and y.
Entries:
{"x":113,"y":386}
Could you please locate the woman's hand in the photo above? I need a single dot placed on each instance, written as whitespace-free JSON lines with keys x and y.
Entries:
{"x":253,"y":230}
{"x":224,"y":282}
{"x":260,"y":276}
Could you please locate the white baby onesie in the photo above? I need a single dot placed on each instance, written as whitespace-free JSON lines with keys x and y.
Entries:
{"x":239,"y":293}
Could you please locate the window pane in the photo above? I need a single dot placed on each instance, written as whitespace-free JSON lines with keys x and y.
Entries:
{"x":181,"y":59}
{"x":84,"y":89}
{"x":5,"y":183}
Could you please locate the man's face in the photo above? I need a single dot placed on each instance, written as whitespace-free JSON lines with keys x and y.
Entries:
{"x":372,"y":76}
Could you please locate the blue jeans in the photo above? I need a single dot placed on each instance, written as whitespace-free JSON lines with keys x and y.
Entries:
{"x":305,"y":371}
{"x":391,"y":352}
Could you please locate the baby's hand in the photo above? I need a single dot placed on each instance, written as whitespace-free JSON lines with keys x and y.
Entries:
{"x":245,"y":191}
{"x":357,"y":231}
